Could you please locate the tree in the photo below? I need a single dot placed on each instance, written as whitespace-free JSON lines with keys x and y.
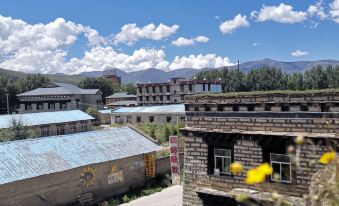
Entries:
{"x":129,"y":88}
{"x":93,"y":112}
{"x":17,"y":131}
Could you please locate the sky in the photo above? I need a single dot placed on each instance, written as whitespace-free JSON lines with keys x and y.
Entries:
{"x":42,"y":36}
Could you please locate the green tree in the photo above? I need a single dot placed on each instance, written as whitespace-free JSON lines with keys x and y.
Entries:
{"x":93,"y":112}
{"x":295,"y":81}
{"x":17,"y":131}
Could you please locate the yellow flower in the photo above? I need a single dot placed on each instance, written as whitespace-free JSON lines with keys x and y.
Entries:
{"x":242,"y":197}
{"x":327,"y":157}
{"x":299,"y":139}
{"x":236,"y":168}
{"x":265,"y":168}
{"x":254,"y":176}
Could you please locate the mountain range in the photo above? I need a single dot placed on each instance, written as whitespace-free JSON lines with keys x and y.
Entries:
{"x":157,"y":75}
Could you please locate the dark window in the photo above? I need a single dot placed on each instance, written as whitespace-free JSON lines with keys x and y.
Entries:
{"x":207,"y":108}
{"x":60,"y":130}
{"x":72,"y":128}
{"x":235,"y":108}
{"x":77,"y":103}
{"x":175,"y":81}
{"x":140,"y":89}
{"x":182,"y":97}
{"x":324,"y":108}
{"x":196,"y":109}
{"x":209,"y":87}
{"x":182,"y":88}
{"x":140,"y":99}
{"x":175,"y":91}
{"x":220,"y":151}
{"x":285,"y":108}
{"x":203,"y":87}
{"x":83,"y":127}
{"x":222,"y":161}
{"x":282,"y":170}
{"x":154,"y":98}
{"x":51,"y":106}
{"x":268,"y":107}
{"x":168,"y":97}
{"x":304,"y":108}
{"x":138,"y":119}
{"x":175,"y":100}
{"x":151,"y":118}
{"x":40,"y":106}
{"x":161,"y":98}
{"x":147,"y":98}
{"x":168,"y":88}
{"x":220,"y":108}
{"x":161,"y":89}
{"x":250,"y":108}
{"x":129,"y":119}
{"x":63,"y":106}
{"x":44,"y":131}
{"x":190,"y":87}
{"x":147,"y":90}
{"x":153,"y":89}
{"x":182,"y":119}
{"x":28,"y":106}
{"x":168,"y":119}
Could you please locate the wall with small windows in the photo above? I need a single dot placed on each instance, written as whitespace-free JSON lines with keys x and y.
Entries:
{"x":135,"y":118}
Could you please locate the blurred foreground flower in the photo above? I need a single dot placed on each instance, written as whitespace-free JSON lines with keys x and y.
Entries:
{"x":258,"y":175}
{"x":327,"y":157}
{"x":236,"y":168}
{"x":299,"y":139}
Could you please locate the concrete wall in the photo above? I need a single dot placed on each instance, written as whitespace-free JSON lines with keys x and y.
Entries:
{"x":64,"y":188}
{"x":68,"y":128}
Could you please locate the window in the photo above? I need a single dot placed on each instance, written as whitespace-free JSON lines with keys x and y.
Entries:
{"x":220,"y":108}
{"x":209,"y":87}
{"x":118,"y":120}
{"x":40,"y":106}
{"x":63,"y":106}
{"x":222,"y":161}
{"x":281,"y":165}
{"x":267,"y":107}
{"x":161,"y":98}
{"x":303,"y":108}
{"x":161,"y":89}
{"x":99,"y":103}
{"x":168,"y":119}
{"x":250,"y":108}
{"x":28,"y":107}
{"x":285,"y":108}
{"x":182,"y":97}
{"x":138,"y":119}
{"x":168,"y":97}
{"x":190,"y":87}
{"x":168,"y":89}
{"x":175,"y":91}
{"x":147,"y":90}
{"x":182,"y":119}
{"x":140,"y":89}
{"x":147,"y":98}
{"x":51,"y":106}
{"x":44,"y":131}
{"x":129,"y":119}
{"x":151,"y":118}
{"x":72,"y":128}
{"x":154,"y":98}
{"x":153,"y":89}
{"x":60,"y":130}
{"x":182,"y":88}
{"x":203,"y":87}
{"x":140,"y":99}
{"x":235,"y":108}
{"x":83,"y":127}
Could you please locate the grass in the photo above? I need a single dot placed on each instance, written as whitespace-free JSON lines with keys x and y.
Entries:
{"x":134,"y":194}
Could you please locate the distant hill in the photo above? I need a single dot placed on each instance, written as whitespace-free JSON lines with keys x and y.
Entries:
{"x":157,"y":75}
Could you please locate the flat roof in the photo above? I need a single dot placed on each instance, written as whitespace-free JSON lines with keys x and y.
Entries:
{"x":172,"y":108}
{"x":43,"y":118}
{"x":30,"y":158}
{"x":121,"y":95}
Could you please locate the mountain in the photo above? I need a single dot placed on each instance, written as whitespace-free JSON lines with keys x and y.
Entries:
{"x":157,"y":75}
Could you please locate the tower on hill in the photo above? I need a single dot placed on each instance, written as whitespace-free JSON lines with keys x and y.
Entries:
{"x":111,"y":74}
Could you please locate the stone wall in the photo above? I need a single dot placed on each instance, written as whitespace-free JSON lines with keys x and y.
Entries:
{"x":63,"y":188}
{"x":68,"y":128}
{"x":122,"y":118}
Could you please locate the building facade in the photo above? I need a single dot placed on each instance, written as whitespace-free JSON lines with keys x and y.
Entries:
{"x":175,"y":91}
{"x":121,"y":100}
{"x":59,"y":96}
{"x":111,"y":74}
{"x":51,"y":123}
{"x":254,"y":128}
{"x":153,"y":114}
{"x":76,"y":169}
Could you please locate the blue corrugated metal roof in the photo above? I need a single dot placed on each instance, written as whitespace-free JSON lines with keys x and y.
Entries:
{"x":25,"y":159}
{"x":105,"y":111}
{"x":40,"y":118}
{"x":173,"y":108}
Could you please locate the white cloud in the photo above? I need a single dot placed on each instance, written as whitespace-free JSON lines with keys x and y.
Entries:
{"x":217,"y":17}
{"x":282,"y":14}
{"x":299,"y":53}
{"x":255,"y":44}
{"x":199,"y":61}
{"x":317,"y":10}
{"x":130,"y":33}
{"x":229,"y":26}
{"x":335,"y":11}
{"x":181,"y":41}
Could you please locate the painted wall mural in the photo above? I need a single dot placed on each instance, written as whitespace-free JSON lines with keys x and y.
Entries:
{"x":115,"y":176}
{"x":88,"y":176}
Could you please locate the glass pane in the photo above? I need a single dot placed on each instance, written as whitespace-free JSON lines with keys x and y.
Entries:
{"x":227,"y":163}
{"x":285,"y":172}
{"x":280,"y":158}
{"x":222,"y":152}
{"x":218,"y":163}
{"x":276,"y":171}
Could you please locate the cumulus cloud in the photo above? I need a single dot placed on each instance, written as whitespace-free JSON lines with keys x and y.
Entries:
{"x":299,"y":53}
{"x":229,"y":26}
{"x":334,"y":12}
{"x":199,"y":61}
{"x":181,"y":41}
{"x":130,"y":33}
{"x":282,"y":14}
{"x":317,"y":10}
{"x":255,"y":44}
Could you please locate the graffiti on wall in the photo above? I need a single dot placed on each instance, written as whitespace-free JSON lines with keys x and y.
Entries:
{"x":115,"y":176}
{"x":88,"y":176}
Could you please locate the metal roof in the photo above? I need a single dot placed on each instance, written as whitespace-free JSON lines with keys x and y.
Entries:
{"x":166,"y":109}
{"x":41,"y":118}
{"x":121,"y":95}
{"x":54,"y":88}
{"x":30,"y":158}
{"x":105,"y":111}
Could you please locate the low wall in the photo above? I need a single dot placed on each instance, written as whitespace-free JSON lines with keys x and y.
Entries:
{"x":163,"y":165}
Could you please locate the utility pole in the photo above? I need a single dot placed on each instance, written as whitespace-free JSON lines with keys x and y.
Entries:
{"x":238,"y":66}
{"x":7,"y":104}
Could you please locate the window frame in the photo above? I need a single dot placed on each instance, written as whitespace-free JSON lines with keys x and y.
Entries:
{"x":280,"y":170}
{"x":223,"y":157}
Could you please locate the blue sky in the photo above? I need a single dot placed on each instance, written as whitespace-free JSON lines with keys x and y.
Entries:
{"x":310,"y":34}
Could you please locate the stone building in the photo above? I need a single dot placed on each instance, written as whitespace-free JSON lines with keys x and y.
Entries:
{"x":253,"y":128}
{"x":72,"y":169}
{"x":105,"y":116}
{"x":158,"y":114}
{"x":59,"y":96}
{"x":121,"y":100}
{"x":174,"y":91}
{"x":51,"y":123}
{"x":111,"y":74}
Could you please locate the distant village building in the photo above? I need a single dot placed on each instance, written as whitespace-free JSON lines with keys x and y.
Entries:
{"x":174,"y":91}
{"x":254,"y":128}
{"x":121,"y":100}
{"x":105,"y":116}
{"x":158,"y":114}
{"x":111,"y":74}
{"x":59,"y":96}
{"x":82,"y":168}
{"x":51,"y":123}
